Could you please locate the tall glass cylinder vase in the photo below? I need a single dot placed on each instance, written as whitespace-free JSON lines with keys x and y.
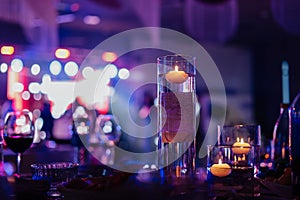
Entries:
{"x":176,"y":115}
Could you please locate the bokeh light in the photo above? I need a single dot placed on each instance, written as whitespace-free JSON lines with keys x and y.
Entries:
{"x":71,"y":68}
{"x":16,"y":65}
{"x":87,"y":72}
{"x":18,"y":87}
{"x":7,"y":50}
{"x":37,"y":96}
{"x":35,"y":69}
{"x":55,"y":67}
{"x":62,"y":53}
{"x":110,"y":70}
{"x":34,"y":87}
{"x":124,"y":73}
{"x":109,"y":56}
{"x":3,"y":67}
{"x":25,"y":95}
{"x":91,"y":20}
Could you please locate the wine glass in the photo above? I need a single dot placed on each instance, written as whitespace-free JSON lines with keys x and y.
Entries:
{"x":109,"y":134}
{"x":18,"y":133}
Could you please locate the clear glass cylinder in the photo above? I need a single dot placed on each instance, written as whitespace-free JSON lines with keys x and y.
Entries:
{"x":176,"y":115}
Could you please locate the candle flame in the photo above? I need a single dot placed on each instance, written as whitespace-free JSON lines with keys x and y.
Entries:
{"x":176,"y":68}
{"x":220,"y":161}
{"x":242,"y":140}
{"x":238,"y":139}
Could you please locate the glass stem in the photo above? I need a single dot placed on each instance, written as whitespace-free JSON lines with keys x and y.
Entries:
{"x":18,"y":162}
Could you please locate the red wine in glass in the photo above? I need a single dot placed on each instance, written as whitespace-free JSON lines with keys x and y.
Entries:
{"x":18,"y":144}
{"x":18,"y":133}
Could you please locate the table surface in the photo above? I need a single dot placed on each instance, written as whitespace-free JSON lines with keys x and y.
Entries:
{"x":136,"y":185}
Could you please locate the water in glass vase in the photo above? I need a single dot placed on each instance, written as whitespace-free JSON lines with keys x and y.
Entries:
{"x":176,"y":117}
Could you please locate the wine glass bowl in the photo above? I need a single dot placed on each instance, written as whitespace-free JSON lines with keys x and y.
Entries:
{"x":18,"y":132}
{"x":56,"y":174}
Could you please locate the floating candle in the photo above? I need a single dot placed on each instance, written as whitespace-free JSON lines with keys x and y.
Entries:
{"x":220,"y":169}
{"x":240,"y":147}
{"x":176,"y":76}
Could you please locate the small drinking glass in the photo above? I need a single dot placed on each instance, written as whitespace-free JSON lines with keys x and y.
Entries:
{"x":18,"y":133}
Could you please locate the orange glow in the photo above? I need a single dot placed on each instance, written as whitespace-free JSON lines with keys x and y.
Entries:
{"x":109,"y":56}
{"x":7,"y":50}
{"x":12,"y":78}
{"x":267,"y":156}
{"x":62,"y":53}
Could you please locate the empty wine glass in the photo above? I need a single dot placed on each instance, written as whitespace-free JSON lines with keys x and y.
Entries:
{"x":56,"y":174}
{"x":109,"y":133}
{"x":18,"y":133}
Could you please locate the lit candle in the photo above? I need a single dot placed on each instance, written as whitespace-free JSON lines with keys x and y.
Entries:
{"x":176,"y":76}
{"x":240,"y":147}
{"x":285,"y":83}
{"x":220,"y":169}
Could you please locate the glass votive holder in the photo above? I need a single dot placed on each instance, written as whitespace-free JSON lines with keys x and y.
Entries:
{"x":241,"y":137}
{"x":230,"y":171}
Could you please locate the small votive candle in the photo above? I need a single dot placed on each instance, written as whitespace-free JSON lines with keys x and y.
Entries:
{"x":176,"y":76}
{"x":241,"y":147}
{"x":220,"y":169}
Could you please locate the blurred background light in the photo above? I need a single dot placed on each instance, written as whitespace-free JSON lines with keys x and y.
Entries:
{"x":71,"y":68}
{"x":46,"y":78}
{"x":34,"y":87}
{"x":91,"y":20}
{"x":75,"y":7}
{"x":3,"y":67}
{"x":62,"y":53}
{"x":55,"y":67}
{"x":110,"y":70}
{"x":65,"y":18}
{"x":35,"y":69}
{"x":7,"y":50}
{"x":16,"y":65}
{"x":109,"y":56}
{"x":87,"y":72}
{"x":124,"y":73}
{"x":37,"y":97}
{"x":18,"y":87}
{"x":25,"y":95}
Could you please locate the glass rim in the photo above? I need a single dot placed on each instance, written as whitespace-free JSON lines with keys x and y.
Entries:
{"x":180,"y":58}
{"x":54,"y":165}
{"x":241,"y":125}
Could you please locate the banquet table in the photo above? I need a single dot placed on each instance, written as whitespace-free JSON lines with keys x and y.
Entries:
{"x":125,"y":185}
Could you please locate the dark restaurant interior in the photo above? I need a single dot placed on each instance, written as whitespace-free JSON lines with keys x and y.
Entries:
{"x":48,"y":49}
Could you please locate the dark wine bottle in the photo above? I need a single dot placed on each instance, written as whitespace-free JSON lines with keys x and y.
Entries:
{"x":294,"y":143}
{"x":280,"y":140}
